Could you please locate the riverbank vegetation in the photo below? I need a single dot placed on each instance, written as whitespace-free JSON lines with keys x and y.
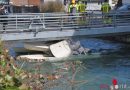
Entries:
{"x":11,"y":76}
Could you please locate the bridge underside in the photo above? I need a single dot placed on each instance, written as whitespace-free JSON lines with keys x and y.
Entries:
{"x":63,"y":34}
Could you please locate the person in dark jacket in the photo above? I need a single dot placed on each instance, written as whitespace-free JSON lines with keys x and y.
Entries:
{"x":3,"y":16}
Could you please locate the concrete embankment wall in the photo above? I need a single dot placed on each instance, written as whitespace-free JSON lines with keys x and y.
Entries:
{"x":125,"y":39}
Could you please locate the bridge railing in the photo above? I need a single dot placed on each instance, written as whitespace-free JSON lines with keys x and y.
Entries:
{"x":28,"y":22}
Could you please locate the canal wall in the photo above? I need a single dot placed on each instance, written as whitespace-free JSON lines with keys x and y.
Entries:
{"x":125,"y":39}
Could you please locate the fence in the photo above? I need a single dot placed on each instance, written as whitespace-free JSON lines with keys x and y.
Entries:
{"x":28,"y":22}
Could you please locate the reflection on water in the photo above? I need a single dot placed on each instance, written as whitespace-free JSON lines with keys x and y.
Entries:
{"x":104,"y":69}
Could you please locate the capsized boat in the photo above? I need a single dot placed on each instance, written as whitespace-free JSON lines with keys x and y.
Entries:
{"x":60,"y":51}
{"x":41,"y":57}
{"x":35,"y":47}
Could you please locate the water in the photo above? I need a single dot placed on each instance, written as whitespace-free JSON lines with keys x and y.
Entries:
{"x":102,"y":70}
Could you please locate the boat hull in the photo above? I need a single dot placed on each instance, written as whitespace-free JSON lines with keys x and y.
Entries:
{"x":41,"y":58}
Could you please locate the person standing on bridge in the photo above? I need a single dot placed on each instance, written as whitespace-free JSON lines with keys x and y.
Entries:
{"x":73,"y":10}
{"x":73,"y":7}
{"x":105,"y":8}
{"x":82,"y":10}
{"x":3,"y":17}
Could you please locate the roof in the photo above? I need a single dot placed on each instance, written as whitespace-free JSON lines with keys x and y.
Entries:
{"x":25,"y":2}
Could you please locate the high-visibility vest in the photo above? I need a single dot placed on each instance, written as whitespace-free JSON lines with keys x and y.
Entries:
{"x":71,"y":6}
{"x":82,"y":7}
{"x":105,"y":8}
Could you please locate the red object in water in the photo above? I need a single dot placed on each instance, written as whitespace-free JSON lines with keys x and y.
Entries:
{"x":114,"y":81}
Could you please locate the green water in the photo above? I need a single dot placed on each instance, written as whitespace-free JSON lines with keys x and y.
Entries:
{"x":103,"y":70}
{"x":114,"y":64}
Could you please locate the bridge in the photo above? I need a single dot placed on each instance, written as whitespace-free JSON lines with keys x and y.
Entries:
{"x":55,"y":26}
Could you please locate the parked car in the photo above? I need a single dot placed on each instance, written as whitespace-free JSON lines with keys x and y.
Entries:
{"x":123,"y":11}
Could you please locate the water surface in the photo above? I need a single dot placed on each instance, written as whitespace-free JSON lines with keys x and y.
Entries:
{"x":116,"y":64}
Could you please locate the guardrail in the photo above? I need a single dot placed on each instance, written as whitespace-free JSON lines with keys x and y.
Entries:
{"x":28,"y":22}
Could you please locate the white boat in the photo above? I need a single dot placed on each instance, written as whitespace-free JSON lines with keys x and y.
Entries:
{"x":35,"y":47}
{"x":60,"y":51}
{"x":41,"y":58}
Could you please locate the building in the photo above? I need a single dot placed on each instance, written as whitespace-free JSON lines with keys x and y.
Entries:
{"x":25,"y":6}
{"x":96,"y":4}
{"x":33,"y":6}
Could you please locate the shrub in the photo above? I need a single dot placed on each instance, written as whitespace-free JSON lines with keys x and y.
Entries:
{"x":52,"y":6}
{"x":11,"y":76}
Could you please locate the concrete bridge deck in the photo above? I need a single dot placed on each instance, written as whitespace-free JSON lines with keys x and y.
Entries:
{"x":60,"y":26}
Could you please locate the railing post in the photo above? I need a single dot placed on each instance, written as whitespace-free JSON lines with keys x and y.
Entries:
{"x":43,"y":22}
{"x":89,"y":20}
{"x":61,"y":21}
{"x":114,"y":19}
{"x":16,"y":22}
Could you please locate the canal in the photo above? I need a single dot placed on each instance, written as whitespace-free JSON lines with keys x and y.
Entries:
{"x":102,"y":71}
{"x":114,"y":64}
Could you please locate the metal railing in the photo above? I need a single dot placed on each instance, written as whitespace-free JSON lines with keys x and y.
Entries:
{"x":28,"y":22}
